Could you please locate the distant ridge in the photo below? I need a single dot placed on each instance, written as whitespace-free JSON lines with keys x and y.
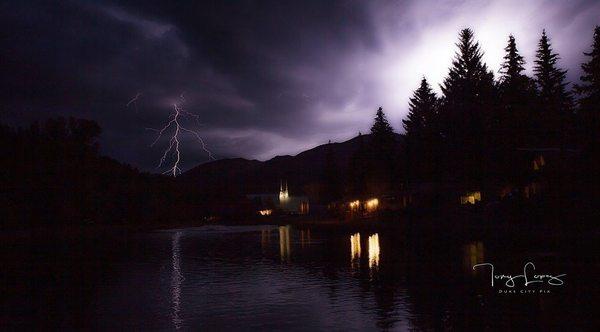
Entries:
{"x":304,"y":171}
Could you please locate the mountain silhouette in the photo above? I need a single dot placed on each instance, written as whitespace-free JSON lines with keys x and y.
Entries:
{"x":304,"y":172}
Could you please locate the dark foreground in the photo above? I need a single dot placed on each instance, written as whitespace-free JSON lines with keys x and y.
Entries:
{"x":297,"y":278}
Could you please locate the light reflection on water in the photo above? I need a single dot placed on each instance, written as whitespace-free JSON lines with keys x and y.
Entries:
{"x":284,"y":242}
{"x":235,"y":280}
{"x":374,"y":251}
{"x":372,"y":247}
{"x":473,"y":254}
{"x":355,"y":250}
{"x":176,"y":280}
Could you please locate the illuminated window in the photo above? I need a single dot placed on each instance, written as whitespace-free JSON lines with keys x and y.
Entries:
{"x":538,"y":163}
{"x":471,"y":198}
{"x":265,"y":212}
{"x":371,"y":205}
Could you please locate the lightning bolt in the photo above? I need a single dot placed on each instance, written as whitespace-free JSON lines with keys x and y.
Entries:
{"x":175,"y":123}
{"x":134,"y":101}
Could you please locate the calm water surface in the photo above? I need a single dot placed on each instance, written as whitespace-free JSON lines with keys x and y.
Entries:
{"x":286,"y":278}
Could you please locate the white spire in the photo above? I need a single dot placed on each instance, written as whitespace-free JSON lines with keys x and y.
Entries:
{"x":283,"y":193}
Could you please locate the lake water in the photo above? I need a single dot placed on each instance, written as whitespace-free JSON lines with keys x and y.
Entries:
{"x":290,"y":278}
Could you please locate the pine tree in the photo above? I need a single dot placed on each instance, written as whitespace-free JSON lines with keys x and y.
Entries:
{"x":422,"y":108}
{"x":468,"y":93}
{"x":513,"y":62}
{"x":381,"y":128}
{"x":589,"y":108}
{"x":550,"y":79}
{"x":517,"y":96}
{"x":555,"y":102}
{"x":468,"y":87}
{"x":382,"y":152}
{"x":421,"y":133}
{"x":382,"y":138}
{"x":468,"y":74}
{"x":589,"y":89}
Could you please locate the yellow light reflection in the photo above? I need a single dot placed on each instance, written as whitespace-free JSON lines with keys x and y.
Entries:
{"x":374,"y":250}
{"x":284,"y":242}
{"x":355,"y":249}
{"x":473,"y":254}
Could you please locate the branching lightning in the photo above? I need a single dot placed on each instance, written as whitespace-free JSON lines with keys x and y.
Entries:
{"x":176,"y":118}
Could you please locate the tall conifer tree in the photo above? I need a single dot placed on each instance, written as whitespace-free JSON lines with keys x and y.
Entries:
{"x":512,"y":67}
{"x":422,"y":108}
{"x":468,"y":93}
{"x":589,"y":111}
{"x":514,"y":117}
{"x":383,"y":152}
{"x":555,"y":100}
{"x":589,"y":89}
{"x":381,"y":129}
{"x":421,"y":132}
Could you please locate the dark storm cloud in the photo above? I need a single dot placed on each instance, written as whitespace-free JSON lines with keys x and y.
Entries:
{"x":265,"y":78}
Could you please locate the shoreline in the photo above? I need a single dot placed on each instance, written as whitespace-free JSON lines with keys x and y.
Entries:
{"x":423,"y":227}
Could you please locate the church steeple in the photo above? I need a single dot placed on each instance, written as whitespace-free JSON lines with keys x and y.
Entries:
{"x":283,"y":193}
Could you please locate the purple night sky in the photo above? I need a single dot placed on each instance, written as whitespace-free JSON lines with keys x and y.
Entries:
{"x":266,"y":78}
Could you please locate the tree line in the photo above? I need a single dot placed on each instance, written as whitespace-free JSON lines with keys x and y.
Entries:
{"x":52,"y":174}
{"x":475,"y":129}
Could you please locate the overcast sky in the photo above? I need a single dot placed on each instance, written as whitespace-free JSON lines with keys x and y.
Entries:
{"x":265,"y":78}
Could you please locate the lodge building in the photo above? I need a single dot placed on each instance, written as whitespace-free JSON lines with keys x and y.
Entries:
{"x":282,"y":203}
